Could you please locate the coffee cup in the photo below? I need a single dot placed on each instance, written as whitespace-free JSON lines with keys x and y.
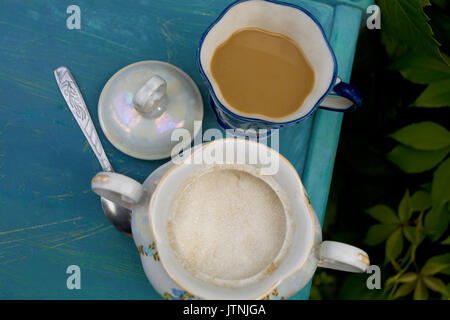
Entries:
{"x":328,"y":91}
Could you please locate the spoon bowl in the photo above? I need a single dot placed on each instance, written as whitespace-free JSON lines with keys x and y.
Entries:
{"x":120,"y":217}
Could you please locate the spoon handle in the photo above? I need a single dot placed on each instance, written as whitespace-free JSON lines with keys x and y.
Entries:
{"x":75,"y":101}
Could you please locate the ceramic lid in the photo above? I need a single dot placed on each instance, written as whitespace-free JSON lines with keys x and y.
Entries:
{"x":143,"y":103}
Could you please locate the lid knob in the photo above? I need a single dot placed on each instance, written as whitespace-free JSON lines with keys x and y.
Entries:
{"x":152,"y":95}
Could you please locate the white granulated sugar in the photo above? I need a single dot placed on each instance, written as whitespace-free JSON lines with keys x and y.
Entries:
{"x":228,"y":224}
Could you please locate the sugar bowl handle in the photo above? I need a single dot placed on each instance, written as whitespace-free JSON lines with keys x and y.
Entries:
{"x":341,"y":256}
{"x":118,"y":188}
{"x":152,"y":95}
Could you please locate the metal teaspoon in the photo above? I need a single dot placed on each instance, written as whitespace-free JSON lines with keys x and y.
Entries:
{"x":119,"y":216}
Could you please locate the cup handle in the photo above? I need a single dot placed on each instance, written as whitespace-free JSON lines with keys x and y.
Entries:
{"x":344,"y":97}
{"x":341,"y":256}
{"x":118,"y":188}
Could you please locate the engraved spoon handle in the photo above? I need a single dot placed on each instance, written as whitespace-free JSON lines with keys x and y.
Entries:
{"x":75,"y":101}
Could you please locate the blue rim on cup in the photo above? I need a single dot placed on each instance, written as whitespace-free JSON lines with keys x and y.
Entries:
{"x":333,"y":94}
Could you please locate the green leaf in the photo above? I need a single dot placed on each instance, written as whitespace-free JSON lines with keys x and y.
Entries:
{"x":405,"y":28}
{"x":435,"y":284}
{"x":390,"y":281}
{"x":440,"y":3}
{"x":354,"y":287}
{"x":426,"y":135}
{"x":426,"y":186}
{"x":446,"y":241}
{"x":383,"y":213}
{"x":408,"y":277}
{"x":410,"y":233}
{"x":421,"y":201}
{"x":440,"y":188}
{"x":404,"y":289}
{"x":421,"y":292}
{"x":394,"y":245}
{"x":437,"y":264}
{"x":436,"y":222}
{"x":422,"y":69}
{"x":447,"y":296}
{"x":411,"y":160}
{"x":379,"y":233}
{"x":413,"y":235}
{"x":405,"y":208}
{"x":436,"y":95}
{"x":314,"y":293}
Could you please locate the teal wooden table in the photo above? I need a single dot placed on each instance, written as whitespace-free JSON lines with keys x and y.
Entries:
{"x":49,"y":218}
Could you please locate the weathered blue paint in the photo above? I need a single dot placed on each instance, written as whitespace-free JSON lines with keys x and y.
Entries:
{"x":49,"y":218}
